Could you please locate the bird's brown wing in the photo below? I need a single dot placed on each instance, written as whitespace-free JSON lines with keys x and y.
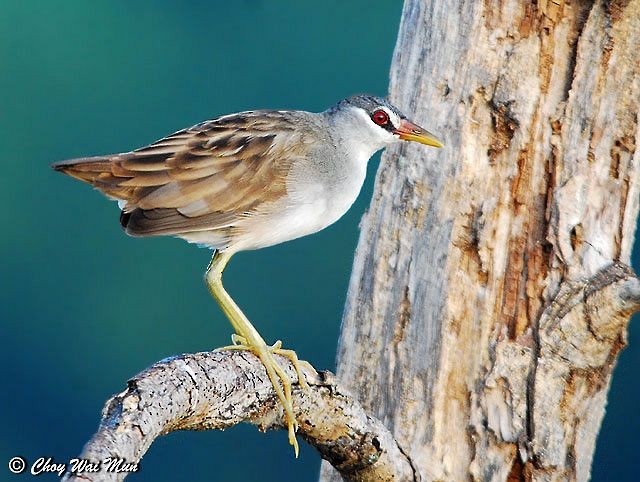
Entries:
{"x":200,"y":178}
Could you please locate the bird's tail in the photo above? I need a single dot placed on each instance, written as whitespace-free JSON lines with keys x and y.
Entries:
{"x":101,"y":172}
{"x":87,"y":169}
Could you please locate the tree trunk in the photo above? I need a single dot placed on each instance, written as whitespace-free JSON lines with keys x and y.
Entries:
{"x":491,"y":291}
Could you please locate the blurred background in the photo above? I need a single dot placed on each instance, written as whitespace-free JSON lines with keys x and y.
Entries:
{"x":84,"y":307}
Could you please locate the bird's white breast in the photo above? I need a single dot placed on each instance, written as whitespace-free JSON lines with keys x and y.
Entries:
{"x":317,"y":196}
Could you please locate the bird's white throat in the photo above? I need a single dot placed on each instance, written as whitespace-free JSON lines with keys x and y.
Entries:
{"x":359,"y":136}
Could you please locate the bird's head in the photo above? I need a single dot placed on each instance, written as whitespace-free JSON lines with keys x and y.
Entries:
{"x":377,"y":121}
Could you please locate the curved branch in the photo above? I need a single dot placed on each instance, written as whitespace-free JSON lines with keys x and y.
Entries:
{"x":215,"y":390}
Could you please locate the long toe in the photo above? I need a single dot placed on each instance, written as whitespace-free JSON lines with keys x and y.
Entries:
{"x":297,"y":364}
{"x":278,"y":376}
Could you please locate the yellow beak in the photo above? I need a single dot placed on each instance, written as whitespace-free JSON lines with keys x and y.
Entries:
{"x":408,"y":131}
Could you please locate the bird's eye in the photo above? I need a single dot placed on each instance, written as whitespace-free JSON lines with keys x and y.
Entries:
{"x":380,"y":117}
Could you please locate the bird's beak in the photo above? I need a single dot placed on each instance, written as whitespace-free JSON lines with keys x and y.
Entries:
{"x":408,"y":131}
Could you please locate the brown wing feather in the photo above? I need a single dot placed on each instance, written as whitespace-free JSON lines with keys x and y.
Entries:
{"x":152,"y":222}
{"x":201,"y":178}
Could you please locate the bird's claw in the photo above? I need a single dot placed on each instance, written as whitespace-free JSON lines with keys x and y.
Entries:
{"x":240,"y":343}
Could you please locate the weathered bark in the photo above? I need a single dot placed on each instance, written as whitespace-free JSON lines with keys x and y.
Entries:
{"x":215,"y":390}
{"x":491,"y":291}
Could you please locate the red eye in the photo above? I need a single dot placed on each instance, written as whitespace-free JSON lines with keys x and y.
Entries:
{"x":380,"y":117}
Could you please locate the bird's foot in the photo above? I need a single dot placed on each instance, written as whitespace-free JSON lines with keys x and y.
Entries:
{"x":277,"y":375}
{"x":240,"y":343}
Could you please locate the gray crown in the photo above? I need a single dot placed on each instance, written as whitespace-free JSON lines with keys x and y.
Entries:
{"x":369,"y":103}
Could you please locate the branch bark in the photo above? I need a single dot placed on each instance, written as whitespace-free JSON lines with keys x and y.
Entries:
{"x":215,"y":390}
{"x":493,"y":274}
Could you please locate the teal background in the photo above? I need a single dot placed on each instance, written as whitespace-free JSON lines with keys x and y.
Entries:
{"x":84,"y":307}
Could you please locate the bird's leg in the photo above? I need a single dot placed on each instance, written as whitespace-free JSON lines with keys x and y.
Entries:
{"x":250,"y":339}
{"x":240,"y":343}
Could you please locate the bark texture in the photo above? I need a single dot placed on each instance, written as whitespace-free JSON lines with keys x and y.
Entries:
{"x":493,"y":274}
{"x":215,"y":390}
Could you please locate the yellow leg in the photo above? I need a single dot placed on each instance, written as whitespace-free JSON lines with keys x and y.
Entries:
{"x":249,"y":339}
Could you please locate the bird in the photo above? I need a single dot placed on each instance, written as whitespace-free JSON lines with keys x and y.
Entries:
{"x":247,"y":181}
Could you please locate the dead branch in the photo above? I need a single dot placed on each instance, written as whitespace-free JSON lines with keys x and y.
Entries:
{"x":216,"y":390}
